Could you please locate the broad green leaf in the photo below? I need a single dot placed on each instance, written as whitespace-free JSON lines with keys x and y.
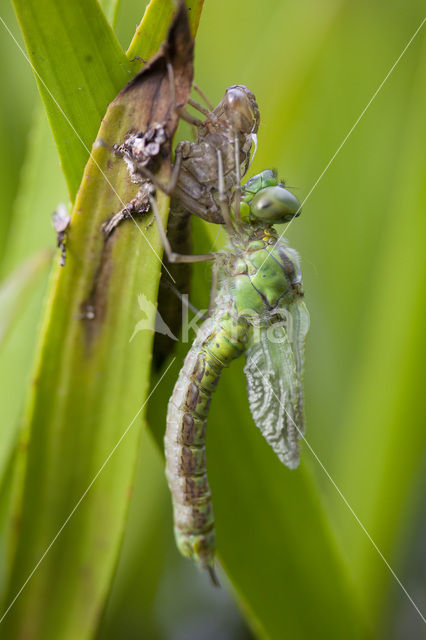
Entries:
{"x":91,"y":382}
{"x":130,"y":609}
{"x":388,"y":439}
{"x":6,"y":513}
{"x":79,"y":68}
{"x":17,"y":288}
{"x":110,"y":9}
{"x":16,"y":106}
{"x":157,"y":16}
{"x":41,"y":189}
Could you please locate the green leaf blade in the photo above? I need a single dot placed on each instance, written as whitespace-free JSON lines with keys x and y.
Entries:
{"x":90,"y":385}
{"x":15,"y":290}
{"x":158,"y":15}
{"x":73,"y":417}
{"x":79,"y":68}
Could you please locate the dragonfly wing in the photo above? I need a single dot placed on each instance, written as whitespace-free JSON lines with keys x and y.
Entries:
{"x":273,"y":388}
{"x":298,"y":326}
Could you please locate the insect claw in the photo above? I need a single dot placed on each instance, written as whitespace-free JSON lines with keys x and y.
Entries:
{"x":213,"y":576}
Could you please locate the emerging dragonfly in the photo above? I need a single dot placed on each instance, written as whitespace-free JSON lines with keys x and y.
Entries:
{"x":258,"y":309}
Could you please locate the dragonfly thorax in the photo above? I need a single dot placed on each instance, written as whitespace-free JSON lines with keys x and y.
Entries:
{"x":262,"y":277}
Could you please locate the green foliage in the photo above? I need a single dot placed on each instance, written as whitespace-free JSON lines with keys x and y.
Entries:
{"x":79,"y":67}
{"x":83,"y":401}
{"x":15,"y":289}
{"x":298,"y":561}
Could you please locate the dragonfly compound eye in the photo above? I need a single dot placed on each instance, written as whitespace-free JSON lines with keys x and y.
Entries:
{"x":274,"y":205}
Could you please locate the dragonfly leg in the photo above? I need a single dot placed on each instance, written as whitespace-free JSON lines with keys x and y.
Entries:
{"x":170,"y":186}
{"x":138,"y":205}
{"x":171,"y":255}
{"x":203,"y":96}
{"x":213,"y":576}
{"x":183,"y":113}
{"x":199,"y":107}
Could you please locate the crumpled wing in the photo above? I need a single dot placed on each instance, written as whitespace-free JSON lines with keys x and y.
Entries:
{"x":298,"y":326}
{"x":273,"y":387}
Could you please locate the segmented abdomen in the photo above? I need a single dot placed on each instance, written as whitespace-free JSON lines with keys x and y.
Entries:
{"x":219,"y":340}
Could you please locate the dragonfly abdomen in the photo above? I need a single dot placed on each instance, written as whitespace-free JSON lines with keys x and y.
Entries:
{"x":219,"y":340}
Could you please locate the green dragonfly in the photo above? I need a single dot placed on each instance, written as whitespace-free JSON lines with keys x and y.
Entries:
{"x":258,"y":310}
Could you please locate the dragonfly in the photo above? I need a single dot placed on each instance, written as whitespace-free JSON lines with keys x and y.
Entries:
{"x":258,"y":310}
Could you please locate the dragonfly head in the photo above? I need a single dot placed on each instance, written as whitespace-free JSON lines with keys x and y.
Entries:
{"x":266,"y":200}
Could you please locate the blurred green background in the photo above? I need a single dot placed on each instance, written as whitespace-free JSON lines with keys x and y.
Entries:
{"x":313,"y":67}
